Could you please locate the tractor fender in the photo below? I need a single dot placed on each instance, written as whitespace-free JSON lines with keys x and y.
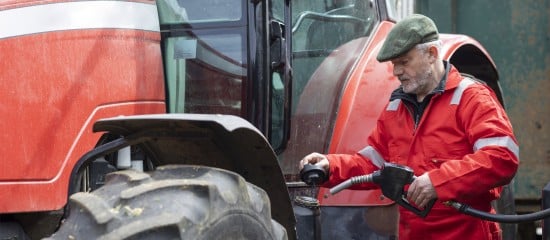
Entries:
{"x":222,"y":141}
{"x":470,"y":57}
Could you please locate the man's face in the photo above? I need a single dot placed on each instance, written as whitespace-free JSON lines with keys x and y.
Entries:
{"x":414,"y":71}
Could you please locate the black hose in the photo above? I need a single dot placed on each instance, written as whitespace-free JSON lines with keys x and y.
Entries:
{"x":351,"y":181}
{"x":393,"y":179}
{"x":502,"y":218}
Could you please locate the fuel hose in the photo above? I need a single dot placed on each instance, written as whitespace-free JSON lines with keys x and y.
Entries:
{"x":502,"y":218}
{"x":393,"y":177}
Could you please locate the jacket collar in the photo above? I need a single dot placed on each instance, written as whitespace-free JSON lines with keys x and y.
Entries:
{"x":453,"y":77}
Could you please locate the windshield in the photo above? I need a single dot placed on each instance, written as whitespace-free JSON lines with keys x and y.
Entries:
{"x":328,"y":37}
{"x":205,"y":65}
{"x":320,"y":27}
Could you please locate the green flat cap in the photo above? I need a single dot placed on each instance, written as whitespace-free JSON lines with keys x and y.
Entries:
{"x":406,"y":34}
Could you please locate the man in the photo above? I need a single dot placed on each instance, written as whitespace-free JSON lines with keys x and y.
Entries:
{"x":450,"y":130}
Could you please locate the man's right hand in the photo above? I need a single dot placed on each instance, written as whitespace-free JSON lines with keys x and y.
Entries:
{"x":316,"y":159}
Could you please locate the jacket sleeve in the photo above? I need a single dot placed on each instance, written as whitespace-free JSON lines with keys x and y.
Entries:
{"x":345,"y":166}
{"x":494,"y":158}
{"x":365,"y":161}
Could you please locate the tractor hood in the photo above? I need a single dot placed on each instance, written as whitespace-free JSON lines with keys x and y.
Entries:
{"x":221,"y":141}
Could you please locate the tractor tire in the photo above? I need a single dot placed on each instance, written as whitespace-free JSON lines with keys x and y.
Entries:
{"x":172,"y":202}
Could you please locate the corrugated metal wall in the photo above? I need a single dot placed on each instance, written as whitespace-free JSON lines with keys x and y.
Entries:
{"x":517,"y":35}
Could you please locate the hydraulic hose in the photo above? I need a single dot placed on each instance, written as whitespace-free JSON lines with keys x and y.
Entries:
{"x":502,"y":218}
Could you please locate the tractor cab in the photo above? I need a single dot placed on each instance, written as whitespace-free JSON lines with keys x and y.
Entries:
{"x":281,"y":65}
{"x":255,"y":59}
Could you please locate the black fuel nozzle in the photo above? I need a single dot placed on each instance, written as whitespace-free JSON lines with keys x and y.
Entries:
{"x":392,"y":179}
{"x":313,"y":174}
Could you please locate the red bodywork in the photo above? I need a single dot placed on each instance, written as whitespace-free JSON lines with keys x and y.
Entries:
{"x":57,"y":82}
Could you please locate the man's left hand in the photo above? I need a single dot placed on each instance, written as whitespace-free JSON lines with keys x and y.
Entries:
{"x":421,"y":191}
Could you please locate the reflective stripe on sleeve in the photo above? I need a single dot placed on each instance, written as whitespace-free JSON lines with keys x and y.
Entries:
{"x":375,"y":157}
{"x":506,"y":142}
{"x":78,"y":15}
{"x":393,"y":105}
{"x":457,"y":95}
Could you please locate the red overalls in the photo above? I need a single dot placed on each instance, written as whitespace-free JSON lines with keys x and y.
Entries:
{"x":464,"y":141}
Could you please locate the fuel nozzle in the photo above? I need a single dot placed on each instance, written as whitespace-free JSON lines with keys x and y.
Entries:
{"x":392,"y":179}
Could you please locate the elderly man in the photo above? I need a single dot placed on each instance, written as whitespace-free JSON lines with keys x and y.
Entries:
{"x":450,"y":130}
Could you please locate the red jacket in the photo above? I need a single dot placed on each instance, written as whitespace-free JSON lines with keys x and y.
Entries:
{"x":464,"y":140}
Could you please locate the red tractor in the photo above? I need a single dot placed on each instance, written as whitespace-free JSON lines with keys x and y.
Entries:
{"x":186,"y":119}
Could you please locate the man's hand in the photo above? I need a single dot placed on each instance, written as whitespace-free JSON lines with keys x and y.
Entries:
{"x":421,"y":191}
{"x":316,"y":159}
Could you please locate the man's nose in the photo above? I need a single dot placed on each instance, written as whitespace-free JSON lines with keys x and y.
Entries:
{"x":397,"y":70}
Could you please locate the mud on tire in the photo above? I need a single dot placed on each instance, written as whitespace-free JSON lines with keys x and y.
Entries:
{"x":173,"y":202}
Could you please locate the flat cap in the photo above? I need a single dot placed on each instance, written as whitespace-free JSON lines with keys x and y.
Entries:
{"x":406,"y":34}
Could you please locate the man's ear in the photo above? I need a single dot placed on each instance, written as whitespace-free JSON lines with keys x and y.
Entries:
{"x":433,"y":53}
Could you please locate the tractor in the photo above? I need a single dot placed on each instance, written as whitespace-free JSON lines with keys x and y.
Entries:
{"x":186,"y":119}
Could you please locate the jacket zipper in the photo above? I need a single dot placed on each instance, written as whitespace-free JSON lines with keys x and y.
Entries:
{"x":417,"y":117}
{"x":413,"y":116}
{"x":416,"y":122}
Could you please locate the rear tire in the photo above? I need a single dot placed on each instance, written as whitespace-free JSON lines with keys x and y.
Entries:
{"x":173,"y":202}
